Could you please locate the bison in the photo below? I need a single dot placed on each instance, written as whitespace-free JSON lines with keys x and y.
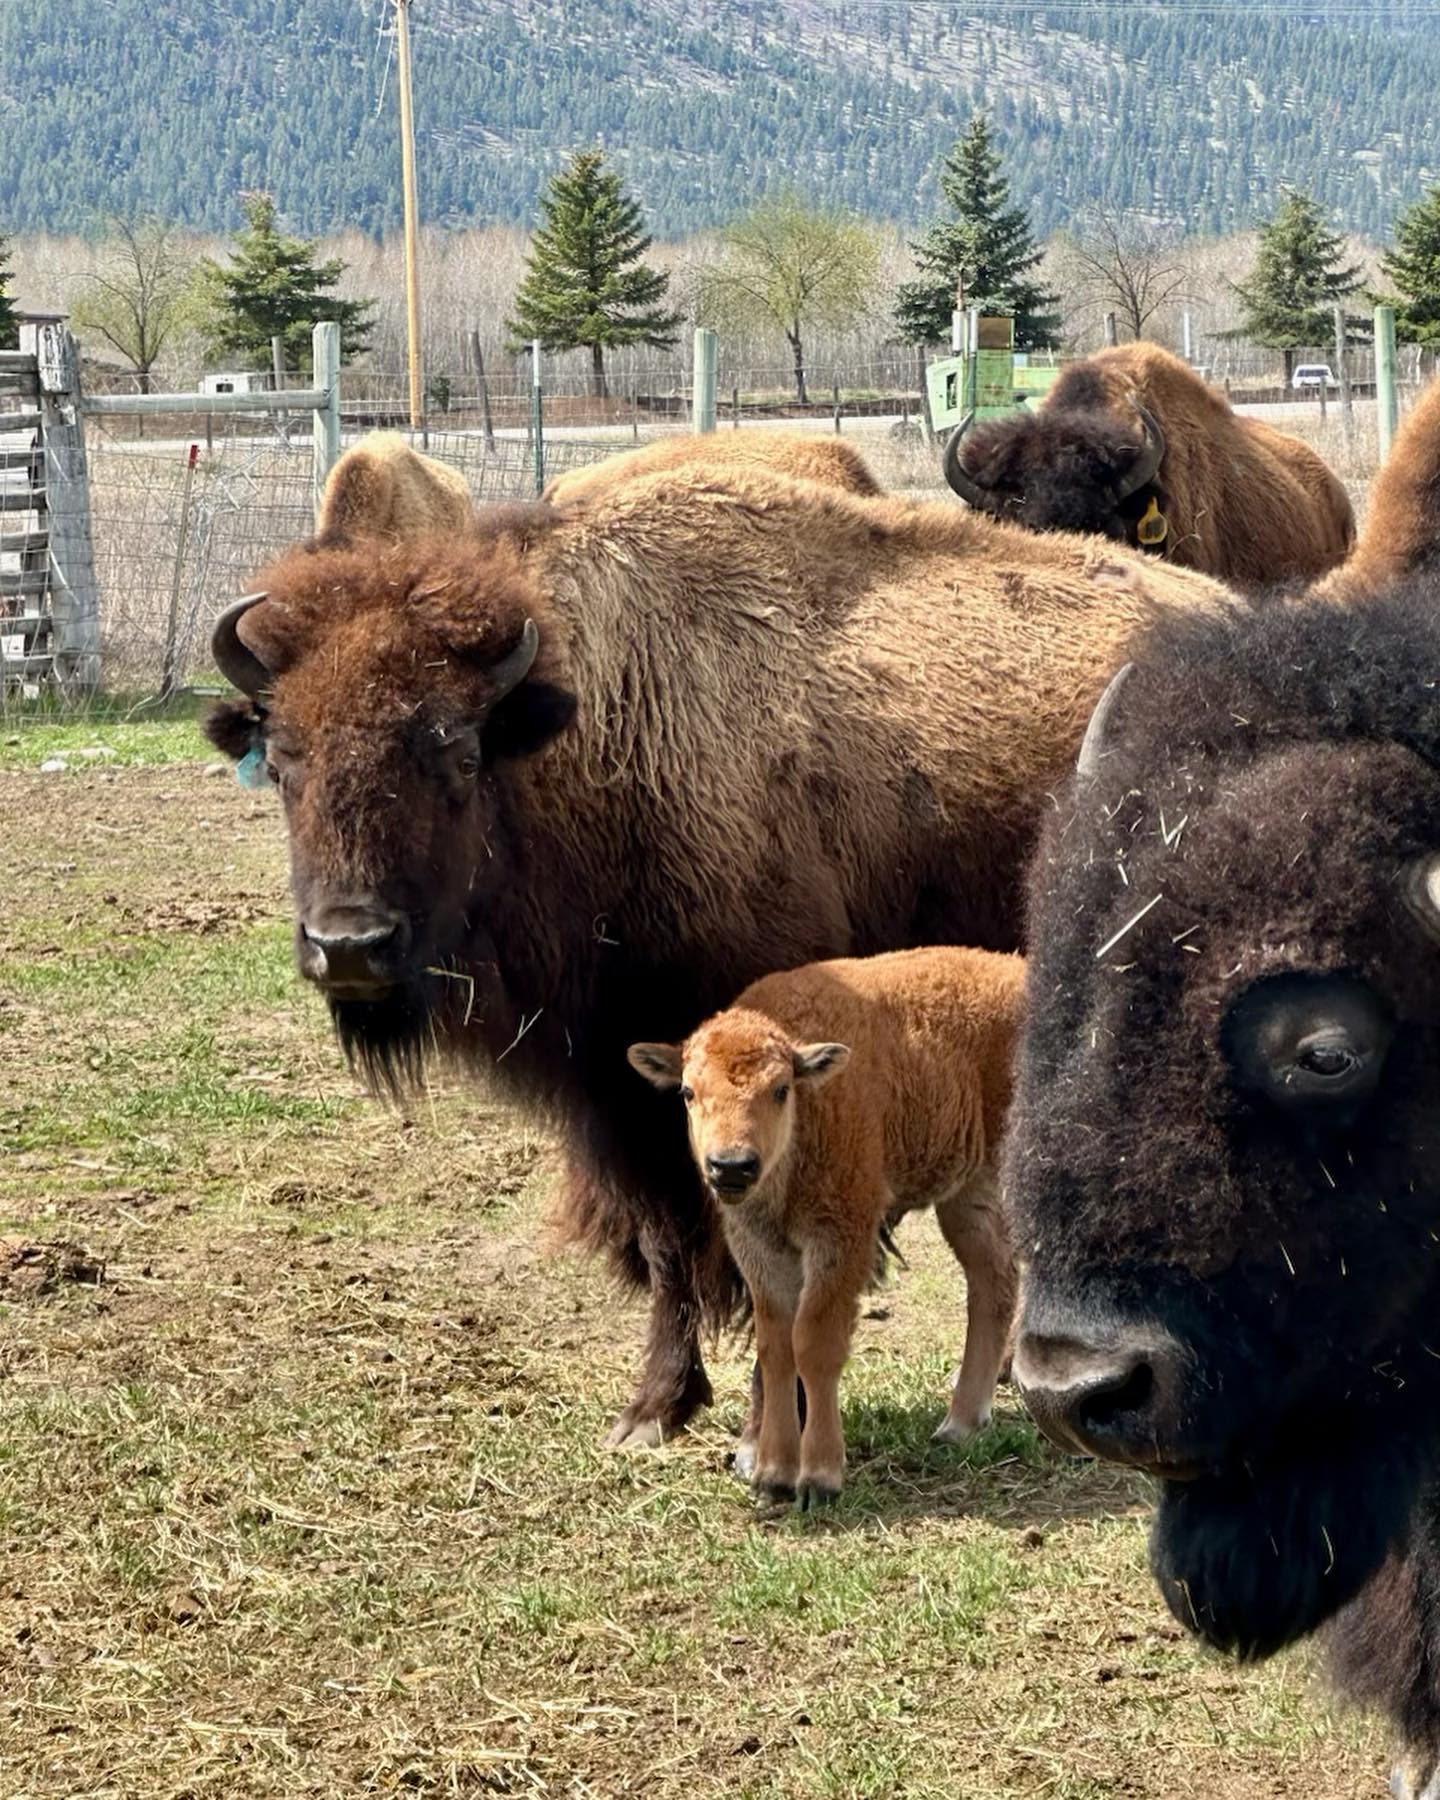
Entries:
{"x":1223,"y":1165}
{"x":808,"y":1181}
{"x":584,"y":773}
{"x":1131,"y":444}
{"x":1399,"y":537}
{"x":803,"y":455}
{"x":383,"y":487}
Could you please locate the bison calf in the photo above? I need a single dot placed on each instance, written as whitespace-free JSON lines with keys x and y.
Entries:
{"x":807,"y":1175}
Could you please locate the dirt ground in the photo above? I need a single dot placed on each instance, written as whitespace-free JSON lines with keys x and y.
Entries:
{"x":300,"y":1485}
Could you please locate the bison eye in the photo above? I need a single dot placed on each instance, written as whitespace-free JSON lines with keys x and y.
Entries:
{"x":1314,"y":1045}
{"x":469,"y":767}
{"x":782,"y":1093}
{"x":1327,"y":1060}
{"x":687,"y":1094}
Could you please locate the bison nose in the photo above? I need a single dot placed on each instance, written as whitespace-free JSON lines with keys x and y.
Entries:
{"x":1114,"y":1395}
{"x":353,"y":951}
{"x":732,"y":1171}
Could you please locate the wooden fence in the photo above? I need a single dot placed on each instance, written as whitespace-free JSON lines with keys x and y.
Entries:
{"x":49,"y":610}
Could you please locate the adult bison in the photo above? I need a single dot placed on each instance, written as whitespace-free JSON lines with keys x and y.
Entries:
{"x":583,"y":775}
{"x":384,"y":487}
{"x":1133,"y":445}
{"x":1223,"y":1163}
{"x":807,"y":456}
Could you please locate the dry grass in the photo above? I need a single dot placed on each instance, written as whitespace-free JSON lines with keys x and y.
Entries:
{"x":305,"y":1499}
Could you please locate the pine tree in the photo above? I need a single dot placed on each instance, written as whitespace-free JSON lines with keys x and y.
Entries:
{"x":1413,"y":267}
{"x":9,"y":324}
{"x":1290,"y":295}
{"x":273,"y":287}
{"x":585,"y":285}
{"x":986,"y":249}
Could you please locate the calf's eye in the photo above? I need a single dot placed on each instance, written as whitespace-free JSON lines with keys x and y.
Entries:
{"x":782,"y":1093}
{"x":687,"y":1094}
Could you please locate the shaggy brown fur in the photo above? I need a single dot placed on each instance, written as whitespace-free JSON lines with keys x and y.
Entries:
{"x":807,"y":724}
{"x":384,"y":488}
{"x":1243,"y":501}
{"x":808,"y":1174}
{"x":798,"y":454}
{"x":1402,"y":526}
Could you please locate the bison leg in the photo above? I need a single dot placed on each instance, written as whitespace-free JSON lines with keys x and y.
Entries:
{"x":743,"y":1465}
{"x":673,"y":1384}
{"x":824,"y":1323}
{"x":977,"y":1236}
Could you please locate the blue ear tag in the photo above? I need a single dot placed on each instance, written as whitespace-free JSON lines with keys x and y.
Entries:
{"x":250,"y":771}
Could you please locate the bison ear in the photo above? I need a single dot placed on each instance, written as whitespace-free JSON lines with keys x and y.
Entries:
{"x":817,"y":1063}
{"x":235,"y":728}
{"x":526,"y":720}
{"x":660,"y":1064}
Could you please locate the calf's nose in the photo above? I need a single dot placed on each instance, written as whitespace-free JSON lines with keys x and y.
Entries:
{"x":732,"y":1171}
{"x":1114,"y":1394}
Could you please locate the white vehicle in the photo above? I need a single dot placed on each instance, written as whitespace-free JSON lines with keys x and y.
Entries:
{"x":1313,"y":375}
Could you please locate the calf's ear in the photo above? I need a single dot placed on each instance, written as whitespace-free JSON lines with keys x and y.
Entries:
{"x":817,"y":1063}
{"x":660,"y":1064}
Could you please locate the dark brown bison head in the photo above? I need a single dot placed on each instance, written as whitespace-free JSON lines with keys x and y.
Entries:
{"x":387,"y":690}
{"x":1064,"y":468}
{"x":1225,"y":1149}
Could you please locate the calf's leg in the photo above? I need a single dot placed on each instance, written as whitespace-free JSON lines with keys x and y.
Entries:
{"x":976,"y":1233}
{"x":777,"y":1454}
{"x":824,"y":1322}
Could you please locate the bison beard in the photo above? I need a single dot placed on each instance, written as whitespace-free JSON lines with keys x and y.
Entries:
{"x":386,"y":1040}
{"x":1251,"y":1560}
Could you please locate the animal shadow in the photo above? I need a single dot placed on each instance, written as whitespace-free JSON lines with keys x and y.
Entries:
{"x":1006,"y":1474}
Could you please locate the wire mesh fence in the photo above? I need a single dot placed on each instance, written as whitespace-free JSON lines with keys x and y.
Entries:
{"x":174,"y":544}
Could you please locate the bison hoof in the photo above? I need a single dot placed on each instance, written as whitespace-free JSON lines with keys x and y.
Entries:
{"x":951,"y":1430}
{"x":635,"y":1434}
{"x":773,"y":1487}
{"x":815,"y":1494}
{"x":742,"y":1464}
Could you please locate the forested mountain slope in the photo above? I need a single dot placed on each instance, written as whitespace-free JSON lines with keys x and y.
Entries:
{"x":1183,"y":111}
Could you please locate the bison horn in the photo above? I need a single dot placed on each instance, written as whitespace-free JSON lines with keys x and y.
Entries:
{"x":1092,"y":745}
{"x":236,"y":661}
{"x":1147,"y":464}
{"x":514,"y":666}
{"x":969,"y":490}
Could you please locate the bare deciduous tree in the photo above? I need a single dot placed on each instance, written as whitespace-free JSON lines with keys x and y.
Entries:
{"x":141,"y":292}
{"x":1128,"y":269}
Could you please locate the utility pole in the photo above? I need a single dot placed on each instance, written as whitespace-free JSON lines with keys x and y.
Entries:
{"x":412,"y":209}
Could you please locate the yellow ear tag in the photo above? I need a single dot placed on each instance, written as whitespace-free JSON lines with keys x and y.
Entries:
{"x":1153,"y":527}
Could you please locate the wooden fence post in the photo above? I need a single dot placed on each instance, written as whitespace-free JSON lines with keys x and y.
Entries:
{"x":487,"y":424}
{"x":74,"y":599}
{"x":1342,"y":369}
{"x":325,"y":349}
